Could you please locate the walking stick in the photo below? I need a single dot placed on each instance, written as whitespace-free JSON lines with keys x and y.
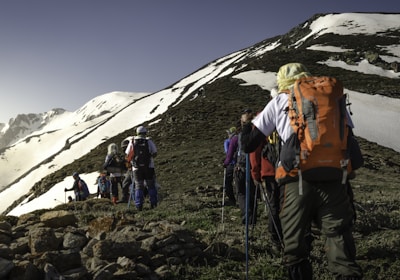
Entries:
{"x":131,"y":188}
{"x":130,"y":195}
{"x":268,"y":205}
{"x":223,"y":201}
{"x":254,"y":207}
{"x":247,"y":212}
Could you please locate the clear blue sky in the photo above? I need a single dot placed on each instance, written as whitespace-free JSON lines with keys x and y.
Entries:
{"x":62,"y":53}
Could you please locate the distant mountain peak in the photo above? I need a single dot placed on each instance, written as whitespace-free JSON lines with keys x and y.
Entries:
{"x":24,"y":124}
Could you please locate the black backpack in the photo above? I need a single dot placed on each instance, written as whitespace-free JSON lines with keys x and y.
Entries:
{"x":142,"y":156}
{"x":115,"y":164}
{"x":270,"y":150}
{"x":240,"y":155}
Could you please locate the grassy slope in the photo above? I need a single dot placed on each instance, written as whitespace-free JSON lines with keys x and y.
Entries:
{"x":190,"y":170}
{"x":189,"y":139}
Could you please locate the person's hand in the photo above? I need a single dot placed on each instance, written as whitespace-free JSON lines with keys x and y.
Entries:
{"x":65,"y":190}
{"x":257,"y":182}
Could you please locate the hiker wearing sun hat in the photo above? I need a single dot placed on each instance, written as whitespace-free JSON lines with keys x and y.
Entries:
{"x":289,"y":73}
{"x":326,"y":203}
{"x":231,"y":132}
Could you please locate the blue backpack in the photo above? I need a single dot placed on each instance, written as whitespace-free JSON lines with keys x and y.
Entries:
{"x":104,"y":185}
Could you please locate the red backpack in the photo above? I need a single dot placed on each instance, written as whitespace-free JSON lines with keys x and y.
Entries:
{"x":318,"y":148}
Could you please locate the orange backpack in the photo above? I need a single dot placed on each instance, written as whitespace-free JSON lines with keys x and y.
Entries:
{"x":317,"y":150}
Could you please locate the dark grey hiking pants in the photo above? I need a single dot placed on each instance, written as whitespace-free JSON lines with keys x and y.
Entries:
{"x":327,"y":205}
{"x":229,"y":182}
{"x":240,"y":184}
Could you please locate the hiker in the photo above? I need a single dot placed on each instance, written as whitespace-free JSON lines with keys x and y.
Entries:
{"x":201,"y":92}
{"x":70,"y":199}
{"x":79,"y":187}
{"x":103,"y":186}
{"x":141,"y":152}
{"x":239,"y":175}
{"x":324,"y":202}
{"x":114,"y":163}
{"x":128,"y":181}
{"x":263,"y":174}
{"x":127,"y":185}
{"x":229,"y":164}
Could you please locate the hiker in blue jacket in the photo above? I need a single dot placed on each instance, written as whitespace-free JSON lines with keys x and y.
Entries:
{"x":79,"y":187}
{"x":103,"y":186}
{"x":324,"y":202}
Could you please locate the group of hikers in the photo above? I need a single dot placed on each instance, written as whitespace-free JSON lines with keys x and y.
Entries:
{"x":295,"y":155}
{"x":132,"y":172}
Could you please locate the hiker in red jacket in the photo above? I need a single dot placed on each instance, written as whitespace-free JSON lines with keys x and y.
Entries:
{"x":263,"y":174}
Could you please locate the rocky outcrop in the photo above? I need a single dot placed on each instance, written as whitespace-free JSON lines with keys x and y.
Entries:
{"x":56,"y":245}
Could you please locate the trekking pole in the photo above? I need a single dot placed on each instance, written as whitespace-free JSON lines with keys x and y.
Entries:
{"x":247,"y":212}
{"x":223,"y":201}
{"x":254,"y":207}
{"x":130,"y":195}
{"x":131,"y":187}
{"x":267,"y":203}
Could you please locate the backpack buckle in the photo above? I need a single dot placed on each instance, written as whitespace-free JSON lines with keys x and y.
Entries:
{"x":343,"y":164}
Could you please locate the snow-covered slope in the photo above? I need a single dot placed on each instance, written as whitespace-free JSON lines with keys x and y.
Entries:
{"x":75,"y":134}
{"x":71,"y":135}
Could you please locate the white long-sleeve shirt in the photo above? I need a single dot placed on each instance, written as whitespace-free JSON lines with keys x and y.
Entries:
{"x":152,"y":149}
{"x":275,"y":116}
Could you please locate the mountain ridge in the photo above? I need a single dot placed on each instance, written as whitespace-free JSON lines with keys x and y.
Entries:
{"x":265,"y":56}
{"x":188,"y":126}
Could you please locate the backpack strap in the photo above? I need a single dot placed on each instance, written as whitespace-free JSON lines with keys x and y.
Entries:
{"x":131,"y":153}
{"x":343,"y":125}
{"x":294,"y":119}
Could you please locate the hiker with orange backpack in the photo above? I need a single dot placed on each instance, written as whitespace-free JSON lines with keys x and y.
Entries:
{"x":313,"y":178}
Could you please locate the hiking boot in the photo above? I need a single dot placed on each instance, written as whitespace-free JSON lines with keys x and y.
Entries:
{"x":230,"y":202}
{"x":250,"y":221}
{"x":302,"y":270}
{"x":348,"y":277}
